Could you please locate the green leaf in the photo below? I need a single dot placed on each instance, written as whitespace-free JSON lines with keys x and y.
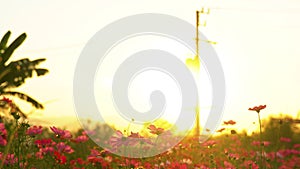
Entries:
{"x":4,"y":40}
{"x":38,"y":61}
{"x":11,"y":48}
{"x":41,"y":72}
{"x":24,"y":97}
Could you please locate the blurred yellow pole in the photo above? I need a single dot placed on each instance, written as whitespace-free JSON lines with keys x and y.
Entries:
{"x":194,"y":65}
{"x":197,"y":134}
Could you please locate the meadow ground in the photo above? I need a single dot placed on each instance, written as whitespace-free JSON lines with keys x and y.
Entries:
{"x":26,"y":146}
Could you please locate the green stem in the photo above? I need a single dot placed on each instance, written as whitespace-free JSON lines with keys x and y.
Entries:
{"x":18,"y":143}
{"x":277,"y":145}
{"x":260,"y":140}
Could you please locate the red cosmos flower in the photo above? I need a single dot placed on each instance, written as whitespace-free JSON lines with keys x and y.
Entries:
{"x":230,"y":122}
{"x":98,"y":160}
{"x":7,"y":100}
{"x":61,"y":159}
{"x":155,"y":130}
{"x":3,"y":141}
{"x":258,"y":108}
{"x":147,"y":165}
{"x":94,"y":153}
{"x":178,"y":165}
{"x":135,"y":135}
{"x":64,"y":134}
{"x":220,"y":130}
{"x":78,"y":161}
{"x":44,"y":142}
{"x":133,"y":163}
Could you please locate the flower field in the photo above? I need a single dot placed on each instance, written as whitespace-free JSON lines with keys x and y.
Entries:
{"x":26,"y":146}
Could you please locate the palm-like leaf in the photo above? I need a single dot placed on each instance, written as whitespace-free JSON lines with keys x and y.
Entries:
{"x":8,"y":51}
{"x":4,"y":40}
{"x":15,"y":73}
{"x":24,"y":97}
{"x":21,"y":70}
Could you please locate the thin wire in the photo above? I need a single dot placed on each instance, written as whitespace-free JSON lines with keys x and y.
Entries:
{"x":53,"y":48}
{"x":290,"y":10}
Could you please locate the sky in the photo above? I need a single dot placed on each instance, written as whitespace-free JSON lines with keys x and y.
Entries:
{"x":257,"y":44}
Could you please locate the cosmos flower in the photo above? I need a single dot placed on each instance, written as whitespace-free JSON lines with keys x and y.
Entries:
{"x":44,"y":142}
{"x":284,"y":139}
{"x":220,"y":130}
{"x":64,"y":134}
{"x":81,"y":139}
{"x":63,"y":148}
{"x":61,"y":159}
{"x":3,"y":134}
{"x":230,"y":122}
{"x":258,"y":108}
{"x":155,"y":130}
{"x":34,"y":130}
{"x":118,"y":139}
{"x":7,"y":100}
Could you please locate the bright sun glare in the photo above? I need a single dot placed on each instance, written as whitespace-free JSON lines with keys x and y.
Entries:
{"x":146,"y":82}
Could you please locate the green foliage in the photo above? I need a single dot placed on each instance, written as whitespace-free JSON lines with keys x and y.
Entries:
{"x":279,"y":127}
{"x":14,"y":73}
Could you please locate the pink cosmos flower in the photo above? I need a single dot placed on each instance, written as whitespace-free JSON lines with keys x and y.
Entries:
{"x":285,"y":139}
{"x":155,"y":130}
{"x":63,"y":148}
{"x":47,"y":150}
{"x":250,"y":164}
{"x":3,"y":134}
{"x":81,"y":139}
{"x":88,"y":132}
{"x":118,"y":140}
{"x":135,"y":135}
{"x":257,"y":143}
{"x":228,"y":165}
{"x":233,"y":156}
{"x":10,"y":159}
{"x":139,"y":139}
{"x":34,"y":130}
{"x":64,"y":134}
{"x":39,"y":155}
